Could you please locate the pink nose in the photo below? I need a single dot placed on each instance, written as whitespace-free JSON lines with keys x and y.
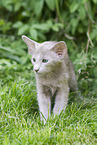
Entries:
{"x":36,"y":70}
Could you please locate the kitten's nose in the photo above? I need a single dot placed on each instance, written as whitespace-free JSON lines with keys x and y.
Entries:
{"x":36,"y":70}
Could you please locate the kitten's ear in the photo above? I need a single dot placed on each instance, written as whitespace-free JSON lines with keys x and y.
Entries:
{"x":60,"y":48}
{"x":30,"y":43}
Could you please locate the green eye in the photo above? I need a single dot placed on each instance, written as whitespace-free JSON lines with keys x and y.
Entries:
{"x":34,"y":59}
{"x":44,"y":60}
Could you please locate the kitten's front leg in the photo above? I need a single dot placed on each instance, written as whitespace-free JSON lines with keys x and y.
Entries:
{"x":61,"y":100}
{"x":44,"y":102}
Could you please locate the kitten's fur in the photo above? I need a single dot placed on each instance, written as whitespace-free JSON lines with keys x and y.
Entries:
{"x":56,"y":75}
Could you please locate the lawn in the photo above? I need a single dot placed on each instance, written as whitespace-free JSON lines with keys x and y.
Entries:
{"x":20,"y":123}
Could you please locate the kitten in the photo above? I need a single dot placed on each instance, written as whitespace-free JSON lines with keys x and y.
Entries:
{"x":54,"y":74}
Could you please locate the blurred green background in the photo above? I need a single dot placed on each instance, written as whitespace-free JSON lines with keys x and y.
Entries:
{"x":74,"y":22}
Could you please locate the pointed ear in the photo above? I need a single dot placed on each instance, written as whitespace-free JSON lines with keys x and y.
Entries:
{"x":60,"y":49}
{"x":30,"y":43}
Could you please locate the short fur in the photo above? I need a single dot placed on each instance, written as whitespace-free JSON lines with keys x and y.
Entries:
{"x":56,"y":75}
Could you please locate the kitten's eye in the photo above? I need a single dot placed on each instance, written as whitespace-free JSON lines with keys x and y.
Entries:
{"x":34,"y":59}
{"x":44,"y":60}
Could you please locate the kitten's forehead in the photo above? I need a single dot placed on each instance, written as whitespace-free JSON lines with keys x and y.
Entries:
{"x":45,"y":46}
{"x":43,"y":50}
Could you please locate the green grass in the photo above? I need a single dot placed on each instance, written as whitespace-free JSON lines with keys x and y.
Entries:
{"x":20,"y":122}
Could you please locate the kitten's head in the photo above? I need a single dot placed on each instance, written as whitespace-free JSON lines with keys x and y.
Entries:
{"x":45,"y":56}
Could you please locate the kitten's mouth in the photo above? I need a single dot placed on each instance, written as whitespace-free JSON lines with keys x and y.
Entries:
{"x":37,"y":72}
{"x":40,"y":73}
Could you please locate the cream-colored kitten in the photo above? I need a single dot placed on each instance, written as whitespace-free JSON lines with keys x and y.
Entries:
{"x":54,"y":74}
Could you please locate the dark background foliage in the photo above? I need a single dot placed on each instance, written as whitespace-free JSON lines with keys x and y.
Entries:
{"x":74,"y":22}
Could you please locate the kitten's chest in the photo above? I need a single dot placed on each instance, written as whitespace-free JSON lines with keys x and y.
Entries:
{"x":52,"y":83}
